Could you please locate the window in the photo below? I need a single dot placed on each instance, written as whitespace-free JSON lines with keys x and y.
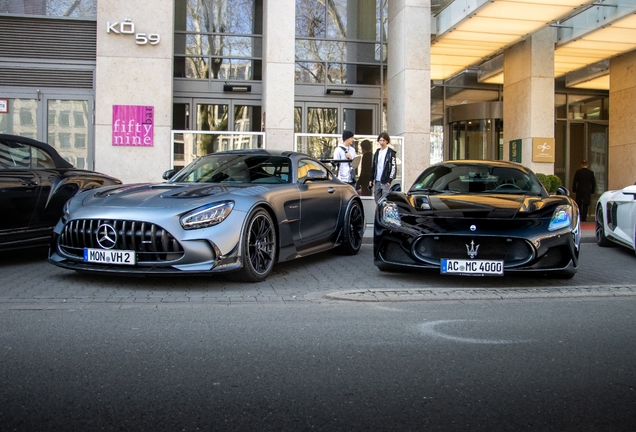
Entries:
{"x":14,"y":155}
{"x":42,"y":159}
{"x":64,"y":140}
{"x":332,"y":49}
{"x":79,"y":119}
{"x":306,"y":165}
{"x":58,"y":8}
{"x":64,"y":119}
{"x":80,"y":140}
{"x":26,"y":117}
{"x":218,"y":39}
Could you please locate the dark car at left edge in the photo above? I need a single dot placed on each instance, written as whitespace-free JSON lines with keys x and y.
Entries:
{"x":35,"y":183}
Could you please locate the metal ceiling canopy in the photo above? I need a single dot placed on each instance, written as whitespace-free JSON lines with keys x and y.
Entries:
{"x":469,"y":32}
{"x":603,"y":31}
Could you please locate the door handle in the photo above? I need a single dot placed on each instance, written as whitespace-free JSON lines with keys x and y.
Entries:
{"x":32,"y":183}
{"x":331,"y":190}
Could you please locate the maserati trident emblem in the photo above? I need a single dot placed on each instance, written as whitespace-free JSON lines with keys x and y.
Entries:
{"x":472,"y":249}
{"x":106,"y":236}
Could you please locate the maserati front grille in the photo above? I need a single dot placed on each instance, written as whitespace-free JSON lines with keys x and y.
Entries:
{"x":151,"y":242}
{"x":512,"y":251}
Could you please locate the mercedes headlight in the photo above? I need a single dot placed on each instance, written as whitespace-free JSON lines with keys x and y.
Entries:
{"x":389,"y":215}
{"x":207,"y":215}
{"x":66,"y":211}
{"x":561,"y":218}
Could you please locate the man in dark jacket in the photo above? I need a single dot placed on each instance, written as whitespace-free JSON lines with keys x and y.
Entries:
{"x":583,"y":185}
{"x":383,"y":168}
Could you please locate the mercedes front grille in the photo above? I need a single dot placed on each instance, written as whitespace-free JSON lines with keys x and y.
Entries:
{"x":151,"y":242}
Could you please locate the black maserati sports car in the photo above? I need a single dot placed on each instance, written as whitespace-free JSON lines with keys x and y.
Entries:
{"x":237,"y":211}
{"x":474,"y":217}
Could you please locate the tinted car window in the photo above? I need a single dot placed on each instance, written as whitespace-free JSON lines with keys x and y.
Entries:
{"x":305,"y":165}
{"x":14,"y":155}
{"x":42,"y":159}
{"x":478,"y":178}
{"x":224,"y":168}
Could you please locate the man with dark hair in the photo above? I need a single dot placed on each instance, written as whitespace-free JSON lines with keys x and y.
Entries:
{"x":344,"y":171}
{"x":383,"y":168}
{"x":583,"y":185}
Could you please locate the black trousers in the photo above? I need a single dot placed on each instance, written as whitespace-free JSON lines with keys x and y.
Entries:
{"x":583,"y":208}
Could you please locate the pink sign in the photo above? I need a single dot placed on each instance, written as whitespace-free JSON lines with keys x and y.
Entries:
{"x":133,"y":125}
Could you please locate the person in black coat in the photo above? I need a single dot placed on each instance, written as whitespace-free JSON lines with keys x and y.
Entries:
{"x":365,"y":168}
{"x":583,"y":185}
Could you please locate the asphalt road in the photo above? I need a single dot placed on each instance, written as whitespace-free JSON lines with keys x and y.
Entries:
{"x":537,"y":365}
{"x":327,"y":343}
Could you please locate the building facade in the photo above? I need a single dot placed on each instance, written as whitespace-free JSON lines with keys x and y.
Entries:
{"x":135,"y":88}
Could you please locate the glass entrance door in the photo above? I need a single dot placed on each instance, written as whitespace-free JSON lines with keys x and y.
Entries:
{"x":589,"y":141}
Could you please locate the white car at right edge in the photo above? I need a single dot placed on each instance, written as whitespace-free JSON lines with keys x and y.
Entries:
{"x":616,"y":218}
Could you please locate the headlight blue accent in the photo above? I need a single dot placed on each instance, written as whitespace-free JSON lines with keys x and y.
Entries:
{"x":207,"y":215}
{"x":561,"y":218}
{"x":389,"y":215}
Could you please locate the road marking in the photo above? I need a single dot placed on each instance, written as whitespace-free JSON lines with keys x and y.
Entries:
{"x":429,"y":329}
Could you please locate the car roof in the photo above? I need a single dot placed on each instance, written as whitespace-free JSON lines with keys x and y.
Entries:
{"x":496,"y":163}
{"x":60,"y":162}
{"x":266,"y":152}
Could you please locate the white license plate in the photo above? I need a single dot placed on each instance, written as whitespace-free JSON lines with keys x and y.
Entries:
{"x":110,"y":256}
{"x":472,"y":267}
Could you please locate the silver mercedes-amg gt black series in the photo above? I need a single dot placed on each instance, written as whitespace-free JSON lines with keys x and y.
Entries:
{"x":236,"y":211}
{"x":481,"y":218}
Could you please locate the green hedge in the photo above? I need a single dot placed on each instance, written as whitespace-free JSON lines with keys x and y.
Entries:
{"x":550,"y":182}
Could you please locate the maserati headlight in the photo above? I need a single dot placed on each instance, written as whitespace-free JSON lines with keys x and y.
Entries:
{"x":207,"y":215}
{"x":561,"y":218}
{"x":389,"y":215}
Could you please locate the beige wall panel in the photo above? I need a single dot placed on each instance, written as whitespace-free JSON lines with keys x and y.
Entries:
{"x":409,"y":96}
{"x":396,"y":101}
{"x":623,"y":72}
{"x":150,"y":17}
{"x":397,"y":44}
{"x":278,"y":73}
{"x":133,"y":74}
{"x":280,"y":139}
{"x":622,"y":160}
{"x":417,"y":155}
{"x":622,"y":128}
{"x":517,"y":107}
{"x":529,"y":95}
{"x":132,"y":164}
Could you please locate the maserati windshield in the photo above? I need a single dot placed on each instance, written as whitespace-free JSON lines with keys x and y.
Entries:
{"x":477,"y":178}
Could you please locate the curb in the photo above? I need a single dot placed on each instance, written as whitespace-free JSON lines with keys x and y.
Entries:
{"x":446,"y":294}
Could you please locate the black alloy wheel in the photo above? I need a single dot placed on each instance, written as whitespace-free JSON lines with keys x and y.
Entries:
{"x":601,"y":239}
{"x":259,"y":248}
{"x":353,"y":229}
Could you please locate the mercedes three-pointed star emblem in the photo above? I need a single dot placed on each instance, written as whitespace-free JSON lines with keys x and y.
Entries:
{"x":106,"y":236}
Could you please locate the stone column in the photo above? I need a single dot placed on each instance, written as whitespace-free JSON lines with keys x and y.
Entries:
{"x":278,"y":73}
{"x":409,"y":82}
{"x":131,"y":72}
{"x":528,"y":101}
{"x":622,"y":122}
